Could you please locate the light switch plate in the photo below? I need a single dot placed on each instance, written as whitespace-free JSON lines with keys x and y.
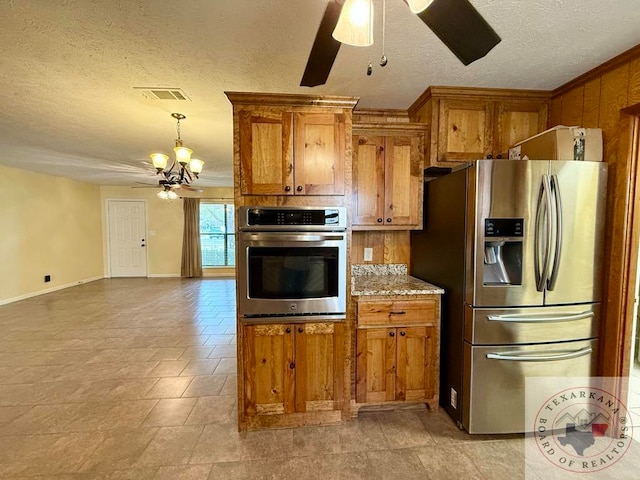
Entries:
{"x":368,"y":254}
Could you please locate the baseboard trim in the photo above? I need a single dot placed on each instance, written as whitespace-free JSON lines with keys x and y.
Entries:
{"x":49,"y":290}
{"x":163,"y":275}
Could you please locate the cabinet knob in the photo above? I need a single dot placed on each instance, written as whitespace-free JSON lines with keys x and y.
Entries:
{"x":388,"y":219}
{"x":499,"y":155}
{"x":300,"y":329}
{"x":379,"y":220}
{"x":287,"y":188}
{"x":403,"y":333}
{"x":288,"y":330}
{"x":489,"y":155}
{"x":392,"y":334}
{"x":299,"y":188}
{"x":292,"y":365}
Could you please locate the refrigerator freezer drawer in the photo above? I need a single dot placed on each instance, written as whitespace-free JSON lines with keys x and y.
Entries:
{"x":491,"y":326}
{"x":494,"y":380}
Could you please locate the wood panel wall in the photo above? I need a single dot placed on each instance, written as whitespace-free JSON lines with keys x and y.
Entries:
{"x":606,"y":98}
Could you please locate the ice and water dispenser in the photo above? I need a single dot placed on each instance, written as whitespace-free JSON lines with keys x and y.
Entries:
{"x":503,"y":251}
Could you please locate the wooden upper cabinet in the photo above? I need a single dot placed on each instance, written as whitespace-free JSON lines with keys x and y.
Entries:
{"x":319,"y":156}
{"x":466,"y":130}
{"x":468,"y":124}
{"x":387,"y":178}
{"x":517,"y":121}
{"x":266,"y":153}
{"x":368,"y":180}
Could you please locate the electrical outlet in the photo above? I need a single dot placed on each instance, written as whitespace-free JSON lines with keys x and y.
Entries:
{"x":47,"y":278}
{"x":454,"y":398}
{"x":368,"y":254}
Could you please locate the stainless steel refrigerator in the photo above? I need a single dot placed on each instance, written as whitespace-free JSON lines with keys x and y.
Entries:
{"x":517,"y":246}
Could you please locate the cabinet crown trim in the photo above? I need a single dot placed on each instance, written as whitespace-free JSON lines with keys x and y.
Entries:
{"x":271,"y":99}
{"x":485,"y":93}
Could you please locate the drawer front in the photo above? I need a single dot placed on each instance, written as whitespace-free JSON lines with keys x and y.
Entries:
{"x":397,"y":312}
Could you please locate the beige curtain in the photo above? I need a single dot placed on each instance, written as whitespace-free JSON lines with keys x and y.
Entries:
{"x":191,"y":252}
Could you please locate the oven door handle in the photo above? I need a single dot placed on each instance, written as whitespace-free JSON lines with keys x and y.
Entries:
{"x":293,"y":237}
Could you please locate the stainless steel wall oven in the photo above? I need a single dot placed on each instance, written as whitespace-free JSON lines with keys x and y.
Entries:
{"x":292,"y":262}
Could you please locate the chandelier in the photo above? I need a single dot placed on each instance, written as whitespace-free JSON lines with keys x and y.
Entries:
{"x":183,"y":170}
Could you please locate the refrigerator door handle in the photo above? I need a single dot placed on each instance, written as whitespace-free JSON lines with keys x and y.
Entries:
{"x":542,"y":272}
{"x":516,"y":318}
{"x":541,"y":358}
{"x":555,"y":189}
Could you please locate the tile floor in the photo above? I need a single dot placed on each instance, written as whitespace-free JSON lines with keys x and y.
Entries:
{"x":135,"y":379}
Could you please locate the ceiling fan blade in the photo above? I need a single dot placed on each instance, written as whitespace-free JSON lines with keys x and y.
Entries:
{"x":191,"y":189}
{"x":459,"y":25}
{"x":324,"y":50}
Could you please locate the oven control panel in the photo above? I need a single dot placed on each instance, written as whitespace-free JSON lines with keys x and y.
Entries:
{"x":259,"y":218}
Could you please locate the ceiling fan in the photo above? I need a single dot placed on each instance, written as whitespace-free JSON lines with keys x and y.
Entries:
{"x":168,"y":188}
{"x":456,"y":22}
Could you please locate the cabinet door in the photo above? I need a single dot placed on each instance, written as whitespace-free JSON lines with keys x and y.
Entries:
{"x":403,"y":180}
{"x":415,"y":363}
{"x":319,"y":153}
{"x":319,"y":372}
{"x":376,"y":367}
{"x":266,"y":153}
{"x":269,"y":369}
{"x":465,"y":130}
{"x":368,"y":180}
{"x":517,"y":121}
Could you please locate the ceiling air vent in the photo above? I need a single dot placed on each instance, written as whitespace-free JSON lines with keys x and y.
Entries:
{"x":161,"y":93}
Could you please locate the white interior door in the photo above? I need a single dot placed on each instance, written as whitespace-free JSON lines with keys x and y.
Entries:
{"x":127,"y":238}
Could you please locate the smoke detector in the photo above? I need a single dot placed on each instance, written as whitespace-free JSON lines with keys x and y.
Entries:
{"x":162,"y":93}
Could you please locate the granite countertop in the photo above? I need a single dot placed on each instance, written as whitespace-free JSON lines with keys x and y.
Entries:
{"x":388,"y":280}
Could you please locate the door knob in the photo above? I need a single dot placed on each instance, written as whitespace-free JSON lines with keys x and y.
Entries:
{"x":389,"y":220}
{"x":379,"y":220}
{"x":299,"y":188}
{"x":300,"y":329}
{"x":288,"y":330}
{"x":403,"y":333}
{"x":292,"y":365}
{"x":287,"y":188}
{"x":392,"y":334}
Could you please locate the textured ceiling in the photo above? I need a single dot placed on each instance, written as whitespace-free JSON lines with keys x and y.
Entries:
{"x":69,"y":68}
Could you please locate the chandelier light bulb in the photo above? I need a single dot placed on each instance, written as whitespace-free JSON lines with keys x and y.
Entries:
{"x":195,"y":166}
{"x":159,"y":160}
{"x":163,"y":195}
{"x":183,"y":155}
{"x":171,"y":195}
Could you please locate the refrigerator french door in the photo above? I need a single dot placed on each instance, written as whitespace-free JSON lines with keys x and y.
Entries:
{"x":517,"y":247}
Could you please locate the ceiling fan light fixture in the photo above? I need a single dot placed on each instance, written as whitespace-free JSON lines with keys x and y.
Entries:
{"x":163,"y":195}
{"x":418,"y":6}
{"x":355,"y":24}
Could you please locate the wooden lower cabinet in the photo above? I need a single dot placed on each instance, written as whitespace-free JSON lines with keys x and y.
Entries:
{"x":293,"y":368}
{"x":395,"y":362}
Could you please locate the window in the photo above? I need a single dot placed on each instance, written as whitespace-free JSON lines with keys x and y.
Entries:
{"x":217,"y":237}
